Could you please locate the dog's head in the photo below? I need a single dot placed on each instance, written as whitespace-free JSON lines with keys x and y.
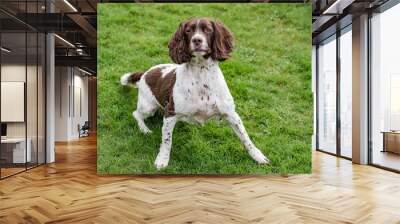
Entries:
{"x":200,"y":38}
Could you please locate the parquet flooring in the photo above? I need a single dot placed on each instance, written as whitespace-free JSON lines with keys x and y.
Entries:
{"x":7,"y":171}
{"x":70,"y":191}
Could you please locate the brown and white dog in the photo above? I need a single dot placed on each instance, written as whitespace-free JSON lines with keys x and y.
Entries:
{"x":193,"y":89}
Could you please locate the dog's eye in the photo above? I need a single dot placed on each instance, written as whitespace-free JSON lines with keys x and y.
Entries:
{"x":208,"y":30}
{"x":188,"y":30}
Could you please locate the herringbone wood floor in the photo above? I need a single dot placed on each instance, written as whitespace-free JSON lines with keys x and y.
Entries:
{"x":69,"y":191}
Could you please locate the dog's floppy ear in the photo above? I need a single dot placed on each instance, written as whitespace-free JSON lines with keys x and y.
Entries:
{"x":178,"y":46}
{"x":222,"y":44}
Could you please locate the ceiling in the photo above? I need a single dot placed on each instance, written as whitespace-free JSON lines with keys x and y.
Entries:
{"x":74,"y":22}
{"x":330,"y":15}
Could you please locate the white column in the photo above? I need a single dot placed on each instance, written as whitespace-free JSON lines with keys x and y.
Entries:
{"x":50,"y":94}
{"x":360,"y":90}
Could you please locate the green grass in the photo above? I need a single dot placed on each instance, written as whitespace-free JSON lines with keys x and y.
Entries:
{"x":269,"y":76}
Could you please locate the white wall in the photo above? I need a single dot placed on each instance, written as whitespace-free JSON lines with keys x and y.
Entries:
{"x":9,"y":73}
{"x":70,"y":83}
{"x":16,"y":73}
{"x":62,"y":82}
{"x":33,"y":126}
{"x":80,"y":84}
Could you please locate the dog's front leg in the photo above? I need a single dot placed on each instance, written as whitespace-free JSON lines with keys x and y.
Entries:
{"x":238,"y":127}
{"x":165,"y":148}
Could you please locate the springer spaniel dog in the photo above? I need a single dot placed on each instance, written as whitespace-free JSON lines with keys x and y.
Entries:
{"x":193,"y":89}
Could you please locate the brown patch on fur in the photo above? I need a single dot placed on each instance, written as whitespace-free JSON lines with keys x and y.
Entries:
{"x":179,"y":46}
{"x":162,"y":89}
{"x":134,"y":77}
{"x":222,"y":44}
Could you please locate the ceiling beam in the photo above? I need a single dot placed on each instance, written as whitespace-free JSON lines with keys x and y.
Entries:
{"x":337,"y":7}
{"x":49,"y":22}
{"x":78,"y":61}
{"x":86,"y":27}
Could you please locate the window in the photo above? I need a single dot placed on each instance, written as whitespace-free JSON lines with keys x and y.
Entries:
{"x":327,"y":95}
{"x":346,"y":92}
{"x":385,"y":89}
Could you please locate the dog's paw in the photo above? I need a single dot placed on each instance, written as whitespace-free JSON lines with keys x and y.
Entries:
{"x":161,"y":161}
{"x":146,"y":131}
{"x":258,"y":156}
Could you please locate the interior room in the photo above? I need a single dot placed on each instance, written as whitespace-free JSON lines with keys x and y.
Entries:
{"x":22,"y":100}
{"x":48,"y":83}
{"x":48,"y":150}
{"x":338,"y":85}
{"x":333,"y":53}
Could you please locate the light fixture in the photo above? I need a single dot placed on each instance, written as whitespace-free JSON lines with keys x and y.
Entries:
{"x":80,"y":51}
{"x":70,"y":5}
{"x":64,"y":40}
{"x":5,"y":50}
{"x":84,"y":71}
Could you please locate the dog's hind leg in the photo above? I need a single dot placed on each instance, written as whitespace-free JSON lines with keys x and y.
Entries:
{"x":140,"y":120}
{"x":144,"y":110}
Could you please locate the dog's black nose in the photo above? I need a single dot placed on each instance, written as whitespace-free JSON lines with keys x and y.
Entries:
{"x":197,"y":41}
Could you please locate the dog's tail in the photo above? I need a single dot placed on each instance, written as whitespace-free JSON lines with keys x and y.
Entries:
{"x":131,"y":78}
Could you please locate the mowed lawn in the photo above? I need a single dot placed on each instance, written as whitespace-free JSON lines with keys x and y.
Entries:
{"x":269,"y":76}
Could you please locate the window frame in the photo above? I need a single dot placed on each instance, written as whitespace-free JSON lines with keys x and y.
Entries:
{"x":339,"y":32}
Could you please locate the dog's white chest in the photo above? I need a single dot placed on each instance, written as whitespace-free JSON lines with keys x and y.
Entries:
{"x":198,"y":96}
{"x":204,"y":103}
